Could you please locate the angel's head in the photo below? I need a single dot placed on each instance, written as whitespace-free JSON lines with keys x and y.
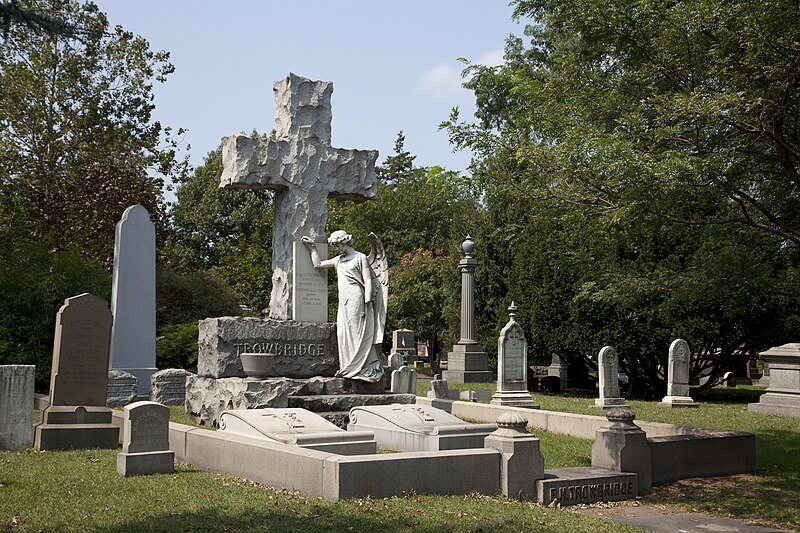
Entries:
{"x":340,"y":237}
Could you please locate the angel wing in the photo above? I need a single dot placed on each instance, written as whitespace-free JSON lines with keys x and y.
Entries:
{"x":380,"y":273}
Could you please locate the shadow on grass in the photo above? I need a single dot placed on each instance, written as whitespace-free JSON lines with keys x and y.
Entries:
{"x":283,"y":520}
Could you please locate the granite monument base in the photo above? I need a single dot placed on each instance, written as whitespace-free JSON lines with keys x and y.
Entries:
{"x":76,"y":427}
{"x":145,"y":463}
{"x":468,"y":363}
{"x":514,"y":399}
{"x":332,"y":398}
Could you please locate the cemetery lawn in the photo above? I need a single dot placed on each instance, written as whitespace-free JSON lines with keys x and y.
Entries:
{"x":770,"y":497}
{"x":81,"y":491}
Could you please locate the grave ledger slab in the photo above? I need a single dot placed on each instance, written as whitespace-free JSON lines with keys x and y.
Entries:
{"x":77,"y":416}
{"x":413,"y":428}
{"x":298,"y":427}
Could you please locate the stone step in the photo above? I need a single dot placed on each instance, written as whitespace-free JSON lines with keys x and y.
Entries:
{"x":571,"y":486}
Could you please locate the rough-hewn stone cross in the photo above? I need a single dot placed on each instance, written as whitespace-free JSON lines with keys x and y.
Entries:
{"x":300,"y":164}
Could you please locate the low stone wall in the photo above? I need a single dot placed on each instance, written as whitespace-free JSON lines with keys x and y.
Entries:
{"x":678,"y":452}
{"x":714,"y":453}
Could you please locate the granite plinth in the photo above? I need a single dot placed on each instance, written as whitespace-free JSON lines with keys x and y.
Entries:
{"x":206,"y":398}
{"x":145,"y":463}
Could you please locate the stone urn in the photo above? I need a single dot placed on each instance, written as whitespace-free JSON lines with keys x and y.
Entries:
{"x":257,"y":365}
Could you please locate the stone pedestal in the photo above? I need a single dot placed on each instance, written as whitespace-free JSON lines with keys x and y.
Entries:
{"x":522,"y":464}
{"x":71,"y":428}
{"x":621,"y":446}
{"x":468,"y":361}
{"x":783,"y":394}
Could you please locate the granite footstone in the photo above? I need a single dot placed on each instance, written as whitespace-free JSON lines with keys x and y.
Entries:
{"x":573,"y":486}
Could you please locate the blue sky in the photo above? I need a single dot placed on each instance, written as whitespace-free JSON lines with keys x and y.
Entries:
{"x":394,"y":65}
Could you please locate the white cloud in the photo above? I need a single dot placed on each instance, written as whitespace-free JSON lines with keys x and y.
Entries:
{"x":441,"y":82}
{"x":491,"y":59}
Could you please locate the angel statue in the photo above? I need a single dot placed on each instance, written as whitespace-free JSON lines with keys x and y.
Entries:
{"x":363,"y":289}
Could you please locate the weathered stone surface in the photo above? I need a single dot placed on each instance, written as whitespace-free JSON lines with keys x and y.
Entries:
{"x":168,"y":386}
{"x":309,"y":285}
{"x":133,"y":297}
{"x":395,"y":360}
{"x":303,"y":349}
{"x":404,"y":380}
{"x":206,"y":398}
{"x":440,"y":389}
{"x":122,"y":388}
{"x":344,"y":402}
{"x":300,"y":164}
{"x":16,"y":406}
{"x":572,"y":486}
{"x":77,"y":416}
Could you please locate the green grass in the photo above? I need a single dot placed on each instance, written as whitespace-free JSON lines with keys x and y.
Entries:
{"x":81,"y":491}
{"x":770,"y":497}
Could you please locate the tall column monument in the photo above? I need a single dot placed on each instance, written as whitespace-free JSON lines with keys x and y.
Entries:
{"x":468,"y":361}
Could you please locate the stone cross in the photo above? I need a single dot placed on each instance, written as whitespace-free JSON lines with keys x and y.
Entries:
{"x":300,"y":165}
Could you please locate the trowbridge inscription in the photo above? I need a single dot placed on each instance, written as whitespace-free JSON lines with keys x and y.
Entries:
{"x":278,"y":348}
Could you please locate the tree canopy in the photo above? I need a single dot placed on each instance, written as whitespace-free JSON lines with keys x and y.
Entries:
{"x":639,"y":161}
